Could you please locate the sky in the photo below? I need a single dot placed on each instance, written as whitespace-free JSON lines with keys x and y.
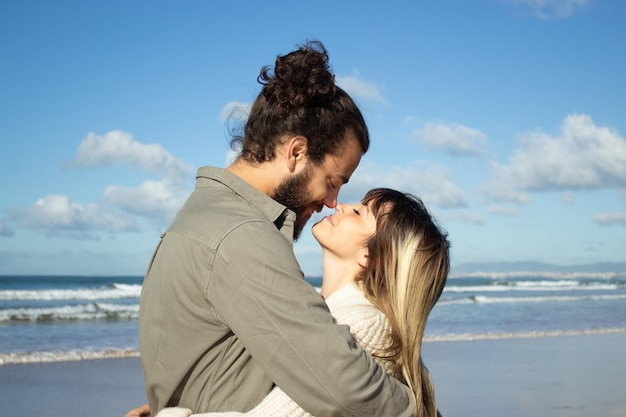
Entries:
{"x":507,"y":117}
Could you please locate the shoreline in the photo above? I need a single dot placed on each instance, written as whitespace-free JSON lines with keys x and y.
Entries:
{"x":66,"y":356}
{"x":74,"y":355}
{"x":573,"y":376}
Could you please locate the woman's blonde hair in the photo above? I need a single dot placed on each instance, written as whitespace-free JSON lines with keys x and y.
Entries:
{"x":407,"y":270}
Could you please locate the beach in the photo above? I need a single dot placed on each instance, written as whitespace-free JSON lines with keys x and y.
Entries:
{"x":95,"y":388}
{"x":571,"y":376}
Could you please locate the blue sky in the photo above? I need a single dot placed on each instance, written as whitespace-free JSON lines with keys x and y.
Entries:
{"x":508,"y":117}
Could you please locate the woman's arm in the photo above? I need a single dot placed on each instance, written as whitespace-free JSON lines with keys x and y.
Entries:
{"x":275,"y":404}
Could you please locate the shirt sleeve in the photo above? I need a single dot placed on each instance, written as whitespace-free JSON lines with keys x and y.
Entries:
{"x":286,"y":326}
{"x":367,"y":324}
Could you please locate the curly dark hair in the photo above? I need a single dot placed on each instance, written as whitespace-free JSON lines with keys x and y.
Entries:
{"x":299,"y":97}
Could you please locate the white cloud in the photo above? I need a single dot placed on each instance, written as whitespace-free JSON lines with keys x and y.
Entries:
{"x":583,"y":157}
{"x":552,"y":9}
{"x":235,"y":110}
{"x":157,"y":200}
{"x":433,"y":184}
{"x":5,"y":230}
{"x":120,"y":208}
{"x":360,"y":90}
{"x":452,"y":138}
{"x":56,"y":215}
{"x":117,"y":147}
{"x":503,"y":211}
{"x":610,"y":218}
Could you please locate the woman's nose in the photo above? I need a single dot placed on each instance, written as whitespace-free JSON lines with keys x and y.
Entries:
{"x":340,"y":208}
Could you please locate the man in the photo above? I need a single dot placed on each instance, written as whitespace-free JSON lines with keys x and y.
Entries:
{"x":225,"y":312}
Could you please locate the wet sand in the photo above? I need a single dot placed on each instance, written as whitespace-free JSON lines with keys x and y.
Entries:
{"x":573,"y":376}
{"x":94,"y":388}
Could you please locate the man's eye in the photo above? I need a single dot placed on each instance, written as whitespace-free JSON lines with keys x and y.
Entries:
{"x":356,"y":211}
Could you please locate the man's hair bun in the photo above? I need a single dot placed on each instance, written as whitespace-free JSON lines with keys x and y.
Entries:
{"x":299,"y":79}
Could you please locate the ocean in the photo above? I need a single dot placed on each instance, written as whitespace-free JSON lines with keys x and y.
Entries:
{"x":58,"y":318}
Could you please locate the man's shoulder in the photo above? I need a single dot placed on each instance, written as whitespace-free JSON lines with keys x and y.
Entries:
{"x":230,"y":193}
{"x":218,"y":209}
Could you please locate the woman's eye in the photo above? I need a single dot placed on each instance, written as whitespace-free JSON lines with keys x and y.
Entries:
{"x":356,"y":211}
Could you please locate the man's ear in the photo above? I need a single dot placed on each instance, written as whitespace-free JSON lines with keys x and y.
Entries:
{"x":297,"y":147}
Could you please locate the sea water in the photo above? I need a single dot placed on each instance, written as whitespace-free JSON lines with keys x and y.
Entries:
{"x":54,"y":318}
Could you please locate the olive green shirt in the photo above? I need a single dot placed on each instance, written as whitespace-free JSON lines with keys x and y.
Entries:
{"x":225,"y":313}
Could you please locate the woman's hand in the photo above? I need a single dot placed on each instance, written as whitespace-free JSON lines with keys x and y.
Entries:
{"x":141,"y":411}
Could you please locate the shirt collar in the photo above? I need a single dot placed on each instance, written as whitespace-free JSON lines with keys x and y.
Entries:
{"x":278,"y":214}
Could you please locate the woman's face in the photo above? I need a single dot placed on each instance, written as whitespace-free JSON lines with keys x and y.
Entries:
{"x":345,"y":233}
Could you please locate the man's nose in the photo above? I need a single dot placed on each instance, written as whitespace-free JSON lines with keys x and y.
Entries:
{"x":331,"y":200}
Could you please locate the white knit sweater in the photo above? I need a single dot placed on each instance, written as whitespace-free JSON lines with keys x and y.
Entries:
{"x":348,"y":305}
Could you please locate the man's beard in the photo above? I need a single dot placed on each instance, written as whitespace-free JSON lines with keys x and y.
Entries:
{"x":293,"y":194}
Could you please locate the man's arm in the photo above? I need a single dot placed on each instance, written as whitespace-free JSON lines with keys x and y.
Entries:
{"x":367,"y":324}
{"x":258,"y":290}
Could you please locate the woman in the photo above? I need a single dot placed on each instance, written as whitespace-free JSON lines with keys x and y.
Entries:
{"x":386,"y":263}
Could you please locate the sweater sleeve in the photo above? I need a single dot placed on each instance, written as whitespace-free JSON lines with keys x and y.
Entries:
{"x":367,"y":324}
{"x":275,"y":404}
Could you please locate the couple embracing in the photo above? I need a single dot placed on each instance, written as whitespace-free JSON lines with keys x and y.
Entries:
{"x":228,"y":325}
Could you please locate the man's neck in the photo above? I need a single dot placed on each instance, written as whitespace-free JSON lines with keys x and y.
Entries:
{"x":265,"y":177}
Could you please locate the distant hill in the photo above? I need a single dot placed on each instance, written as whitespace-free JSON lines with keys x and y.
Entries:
{"x":532,"y":266}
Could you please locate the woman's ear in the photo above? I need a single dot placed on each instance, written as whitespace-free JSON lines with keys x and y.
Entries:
{"x":297,"y":147}
{"x":363,"y":257}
